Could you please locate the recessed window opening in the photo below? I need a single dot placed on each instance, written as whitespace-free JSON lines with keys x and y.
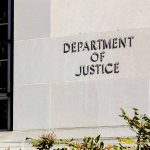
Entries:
{"x":6,"y":64}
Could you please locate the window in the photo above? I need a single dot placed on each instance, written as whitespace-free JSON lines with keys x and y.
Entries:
{"x":6,"y":64}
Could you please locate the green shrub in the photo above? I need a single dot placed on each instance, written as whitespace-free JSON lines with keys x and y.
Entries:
{"x":45,"y":141}
{"x":88,"y":143}
{"x":140,"y":124}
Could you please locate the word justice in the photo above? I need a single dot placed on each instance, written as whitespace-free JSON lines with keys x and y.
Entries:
{"x":98,"y":69}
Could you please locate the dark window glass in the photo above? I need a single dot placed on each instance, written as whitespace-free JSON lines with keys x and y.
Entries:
{"x":3,"y":42}
{"x":3,"y":11}
{"x":3,"y":77}
{"x":6,"y":64}
{"x":3,"y":114}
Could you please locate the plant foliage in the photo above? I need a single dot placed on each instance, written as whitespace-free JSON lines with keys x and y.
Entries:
{"x":140,"y":124}
{"x":45,"y":141}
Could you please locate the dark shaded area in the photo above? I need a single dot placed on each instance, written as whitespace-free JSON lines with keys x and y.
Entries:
{"x":3,"y":114}
{"x":3,"y":11}
{"x":3,"y":77}
{"x":3,"y":64}
{"x":3,"y":58}
{"x":3,"y":41}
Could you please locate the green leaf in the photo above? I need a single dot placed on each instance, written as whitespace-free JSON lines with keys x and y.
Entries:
{"x":97,"y":139}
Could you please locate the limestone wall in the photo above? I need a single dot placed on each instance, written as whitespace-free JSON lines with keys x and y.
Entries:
{"x":48,"y":95}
